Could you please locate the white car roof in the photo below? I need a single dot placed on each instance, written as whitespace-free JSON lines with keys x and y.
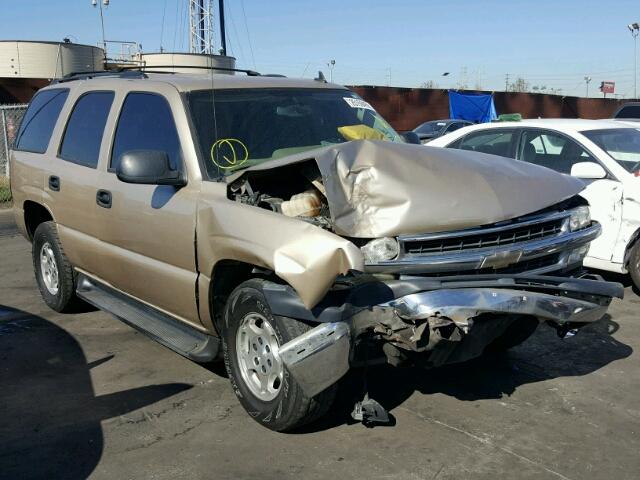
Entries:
{"x":567,"y":125}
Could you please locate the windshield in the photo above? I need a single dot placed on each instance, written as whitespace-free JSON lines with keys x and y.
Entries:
{"x":430,"y":127}
{"x":246,"y":127}
{"x":622,"y":144}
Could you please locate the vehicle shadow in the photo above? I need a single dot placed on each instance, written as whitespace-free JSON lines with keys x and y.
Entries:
{"x":542,"y":357}
{"x":49,"y":413}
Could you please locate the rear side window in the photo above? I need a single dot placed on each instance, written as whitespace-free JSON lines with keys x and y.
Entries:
{"x":83,"y":136}
{"x":495,"y":142}
{"x":39,"y":120}
{"x":146,"y":123}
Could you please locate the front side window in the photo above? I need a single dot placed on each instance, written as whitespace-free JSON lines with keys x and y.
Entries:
{"x":40,"y":120}
{"x":146,"y":123}
{"x":552,"y":150}
{"x":83,"y":135}
{"x":621,"y":144}
{"x":495,"y":142}
{"x":238,"y":128}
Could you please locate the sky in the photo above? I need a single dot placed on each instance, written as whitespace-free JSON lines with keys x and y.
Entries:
{"x":552,"y":44}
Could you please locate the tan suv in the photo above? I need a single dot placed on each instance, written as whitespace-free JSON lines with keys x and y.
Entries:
{"x":284,"y":224}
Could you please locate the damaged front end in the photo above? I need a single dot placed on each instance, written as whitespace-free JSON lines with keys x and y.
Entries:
{"x":446,"y":254}
{"x":430,"y":322}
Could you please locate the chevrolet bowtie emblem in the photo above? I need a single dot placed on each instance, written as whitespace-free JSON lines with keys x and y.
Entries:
{"x":501,"y":259}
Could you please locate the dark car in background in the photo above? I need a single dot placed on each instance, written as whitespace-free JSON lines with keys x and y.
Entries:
{"x":427,"y":131}
{"x":628,"y":111}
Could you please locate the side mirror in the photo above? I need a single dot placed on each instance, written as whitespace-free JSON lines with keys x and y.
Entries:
{"x":588,"y":171}
{"x":148,"y":167}
{"x":411,"y":137}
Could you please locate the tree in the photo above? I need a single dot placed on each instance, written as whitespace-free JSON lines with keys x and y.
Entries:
{"x":429,"y":84}
{"x":520,"y":85}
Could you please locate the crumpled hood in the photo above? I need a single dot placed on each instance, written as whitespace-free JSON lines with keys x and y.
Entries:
{"x":378,"y":188}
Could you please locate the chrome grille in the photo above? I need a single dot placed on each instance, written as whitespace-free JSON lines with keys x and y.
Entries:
{"x":477,"y":239}
{"x":520,"y":267}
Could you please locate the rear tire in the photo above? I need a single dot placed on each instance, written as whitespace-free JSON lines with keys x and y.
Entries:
{"x":634,"y":265}
{"x":54,"y":274}
{"x":251,"y":335}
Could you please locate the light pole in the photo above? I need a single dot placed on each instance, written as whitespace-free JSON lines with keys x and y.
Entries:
{"x":331,"y":64}
{"x":587,"y":79}
{"x":634,"y":28}
{"x":96,"y":3}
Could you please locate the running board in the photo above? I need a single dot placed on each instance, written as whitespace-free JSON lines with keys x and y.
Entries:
{"x":171,"y":333}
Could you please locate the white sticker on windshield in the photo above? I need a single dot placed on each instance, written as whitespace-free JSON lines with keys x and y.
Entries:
{"x":357,"y":103}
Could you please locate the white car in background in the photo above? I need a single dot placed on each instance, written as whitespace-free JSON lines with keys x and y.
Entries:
{"x":605,"y":154}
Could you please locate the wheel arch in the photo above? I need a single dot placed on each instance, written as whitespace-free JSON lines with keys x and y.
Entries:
{"x":225,"y":277}
{"x":35,"y":213}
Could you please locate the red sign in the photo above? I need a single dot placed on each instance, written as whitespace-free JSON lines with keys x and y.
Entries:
{"x":607,"y":87}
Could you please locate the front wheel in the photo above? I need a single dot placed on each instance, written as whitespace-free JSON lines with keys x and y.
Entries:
{"x":251,"y":338}
{"x":634,"y":265}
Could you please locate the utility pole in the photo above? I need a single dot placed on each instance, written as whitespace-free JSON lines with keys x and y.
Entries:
{"x":634,"y":28}
{"x":587,"y":79}
{"x":97,"y":3}
{"x":506,"y":83}
{"x":223,"y":33}
{"x":389,"y":77}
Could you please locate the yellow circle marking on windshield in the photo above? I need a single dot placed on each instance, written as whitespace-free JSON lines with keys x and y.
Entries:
{"x":229,"y":153}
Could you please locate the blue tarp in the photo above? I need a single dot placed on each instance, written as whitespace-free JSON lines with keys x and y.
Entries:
{"x":472,"y":107}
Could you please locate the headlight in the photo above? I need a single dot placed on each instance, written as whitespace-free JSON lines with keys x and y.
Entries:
{"x":580,"y":218}
{"x":578,"y":254}
{"x":380,"y":249}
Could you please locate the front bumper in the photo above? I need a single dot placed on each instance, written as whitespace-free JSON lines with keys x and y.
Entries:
{"x":461,"y":305}
{"x":446,"y":320}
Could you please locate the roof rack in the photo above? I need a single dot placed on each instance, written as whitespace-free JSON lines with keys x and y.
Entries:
{"x":139,"y":71}
{"x":120,"y":72}
{"x":143,"y":68}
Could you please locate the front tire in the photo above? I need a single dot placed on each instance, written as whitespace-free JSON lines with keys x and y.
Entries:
{"x":251,"y":336}
{"x":54,"y":274}
{"x":634,"y":265}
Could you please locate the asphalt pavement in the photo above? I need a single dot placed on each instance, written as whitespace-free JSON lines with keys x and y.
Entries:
{"x":83,"y":395}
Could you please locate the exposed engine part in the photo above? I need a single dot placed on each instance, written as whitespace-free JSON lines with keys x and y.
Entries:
{"x":310,"y":205}
{"x":305,"y":204}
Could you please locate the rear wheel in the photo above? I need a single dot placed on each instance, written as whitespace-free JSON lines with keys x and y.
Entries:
{"x":54,"y":274}
{"x":634,"y":264}
{"x":251,"y":337}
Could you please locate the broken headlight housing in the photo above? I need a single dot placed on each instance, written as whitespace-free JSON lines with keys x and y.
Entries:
{"x":580,"y":218}
{"x":380,"y":250}
{"x":578,"y":254}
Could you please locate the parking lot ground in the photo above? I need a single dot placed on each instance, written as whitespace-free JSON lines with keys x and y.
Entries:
{"x":83,"y":395}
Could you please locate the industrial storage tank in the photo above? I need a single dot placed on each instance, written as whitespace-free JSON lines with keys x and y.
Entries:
{"x":30,"y":59}
{"x":180,"y":62}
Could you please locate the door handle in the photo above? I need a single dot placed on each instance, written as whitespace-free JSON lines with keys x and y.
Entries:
{"x":54,"y":183}
{"x":103,"y":198}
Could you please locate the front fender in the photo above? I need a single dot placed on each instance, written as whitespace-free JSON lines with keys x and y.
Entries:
{"x":305,"y":256}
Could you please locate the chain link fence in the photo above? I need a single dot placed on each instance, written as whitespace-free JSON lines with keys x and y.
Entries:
{"x":10,"y":118}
